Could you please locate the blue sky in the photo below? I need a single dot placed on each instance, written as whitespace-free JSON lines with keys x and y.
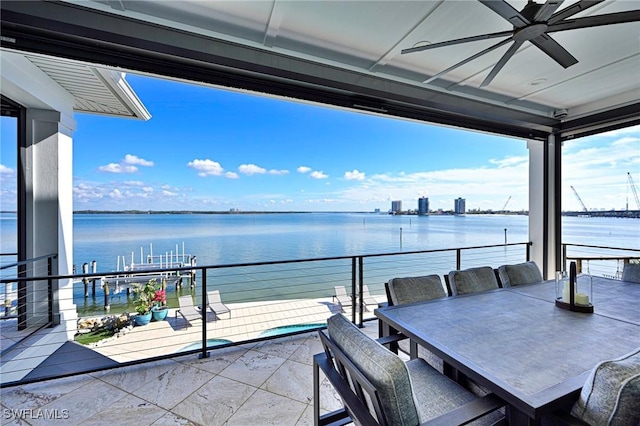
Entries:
{"x":211,"y":149}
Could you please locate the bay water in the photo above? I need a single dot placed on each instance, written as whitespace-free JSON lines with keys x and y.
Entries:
{"x":114,"y":240}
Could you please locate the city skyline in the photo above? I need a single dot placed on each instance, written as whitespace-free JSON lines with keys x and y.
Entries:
{"x":208,"y":149}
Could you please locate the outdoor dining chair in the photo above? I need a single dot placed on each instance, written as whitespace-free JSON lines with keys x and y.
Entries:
{"x":631,"y":272}
{"x":610,"y":396}
{"x":414,"y":289}
{"x":379,"y":388}
{"x":188,"y":310}
{"x":214,"y":302}
{"x":521,"y":273}
{"x":405,"y":290}
{"x":472,"y":280}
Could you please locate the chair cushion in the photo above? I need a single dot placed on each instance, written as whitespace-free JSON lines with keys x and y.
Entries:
{"x":631,"y":272}
{"x":472,"y":280}
{"x":522,"y":273}
{"x":415,"y":289}
{"x":381,"y":367}
{"x":611,"y":394}
{"x":435,"y":394}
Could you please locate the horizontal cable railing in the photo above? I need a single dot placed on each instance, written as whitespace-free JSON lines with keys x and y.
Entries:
{"x":599,"y":260}
{"x":264,"y":300}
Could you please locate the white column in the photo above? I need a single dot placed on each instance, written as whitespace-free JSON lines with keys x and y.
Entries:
{"x":544,"y":226}
{"x":47,"y":164}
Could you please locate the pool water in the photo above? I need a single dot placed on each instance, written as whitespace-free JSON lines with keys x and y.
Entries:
{"x":285,"y":329}
{"x":210,"y":342}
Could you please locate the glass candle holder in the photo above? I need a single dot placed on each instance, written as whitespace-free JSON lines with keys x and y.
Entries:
{"x":584,"y":290}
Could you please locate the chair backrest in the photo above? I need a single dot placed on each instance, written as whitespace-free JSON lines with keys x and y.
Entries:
{"x":213,"y":296}
{"x":631,"y":272}
{"x":185,"y":302}
{"x":521,"y":273}
{"x":414,"y":289}
{"x":390,"y":394}
{"x":472,"y":280}
{"x":611,"y":394}
{"x":341,"y":291}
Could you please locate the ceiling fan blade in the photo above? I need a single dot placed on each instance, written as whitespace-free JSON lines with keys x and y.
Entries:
{"x":456,"y":41}
{"x":507,"y":11}
{"x":546,"y":10}
{"x":501,"y":63}
{"x":551,"y":47}
{"x":572,"y":10}
{"x":469,"y":59}
{"x":595,"y":21}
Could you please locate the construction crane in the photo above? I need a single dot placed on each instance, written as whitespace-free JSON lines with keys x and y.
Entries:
{"x":635,"y":193}
{"x":584,"y":208}
{"x":505,"y":203}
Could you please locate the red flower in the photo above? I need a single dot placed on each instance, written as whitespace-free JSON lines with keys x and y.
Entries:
{"x":160,"y":297}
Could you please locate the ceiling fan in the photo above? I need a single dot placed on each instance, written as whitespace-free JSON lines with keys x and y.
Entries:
{"x":533,"y":23}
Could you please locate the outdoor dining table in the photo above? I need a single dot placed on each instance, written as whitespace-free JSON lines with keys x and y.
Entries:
{"x":516,"y":343}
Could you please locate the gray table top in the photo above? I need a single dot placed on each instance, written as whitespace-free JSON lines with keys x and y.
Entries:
{"x":517,"y":343}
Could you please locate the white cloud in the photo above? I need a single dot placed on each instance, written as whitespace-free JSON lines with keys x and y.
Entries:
{"x":318,"y":175}
{"x":147,"y":189}
{"x":134,"y":183}
{"x":231,"y":175}
{"x":206,"y":167}
{"x":169,"y":193}
{"x":303,"y":169}
{"x":118,"y":168}
{"x":133,"y":159}
{"x":5,"y":170}
{"x":354,"y":175}
{"x":115,"y":193}
{"x":251,"y":169}
{"x":278,"y":172}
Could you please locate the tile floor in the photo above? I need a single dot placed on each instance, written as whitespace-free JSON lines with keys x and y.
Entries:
{"x":266,"y":383}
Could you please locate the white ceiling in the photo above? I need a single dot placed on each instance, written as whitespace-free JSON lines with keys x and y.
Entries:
{"x":349,"y":45}
{"x":369,"y":35}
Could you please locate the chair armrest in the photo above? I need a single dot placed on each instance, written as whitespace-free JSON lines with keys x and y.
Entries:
{"x":394,"y":338}
{"x":355,"y":409}
{"x":467,"y":412}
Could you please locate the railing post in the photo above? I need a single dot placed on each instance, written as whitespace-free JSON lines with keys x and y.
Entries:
{"x":528,"y":251}
{"x":203,"y":311}
{"x":22,"y":297}
{"x":50,"y":289}
{"x":564,"y":257}
{"x":458,"y":259}
{"x":353,"y":290}
{"x":360,"y":284}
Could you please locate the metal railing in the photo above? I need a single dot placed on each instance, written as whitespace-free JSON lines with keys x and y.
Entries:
{"x":266,"y":300}
{"x":599,"y":260}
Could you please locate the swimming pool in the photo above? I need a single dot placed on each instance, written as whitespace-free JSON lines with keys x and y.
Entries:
{"x":286,"y":329}
{"x":210,"y":342}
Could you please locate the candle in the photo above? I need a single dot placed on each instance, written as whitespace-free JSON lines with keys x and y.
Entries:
{"x":566,"y":292}
{"x":582,"y":299}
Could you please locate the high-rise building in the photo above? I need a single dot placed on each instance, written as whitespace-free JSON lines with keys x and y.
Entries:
{"x":423,"y":206}
{"x":459,"y":206}
{"x":396,"y":206}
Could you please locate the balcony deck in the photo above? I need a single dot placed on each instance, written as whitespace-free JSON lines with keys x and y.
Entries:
{"x":258,"y":383}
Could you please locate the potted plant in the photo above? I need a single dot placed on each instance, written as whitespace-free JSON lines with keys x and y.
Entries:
{"x":159,"y":310}
{"x":144,"y":302}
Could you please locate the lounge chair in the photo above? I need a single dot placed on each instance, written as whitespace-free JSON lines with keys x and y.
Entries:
{"x":188,"y":310}
{"x":214,"y":302}
{"x":368,"y":298}
{"x":344,"y":300}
